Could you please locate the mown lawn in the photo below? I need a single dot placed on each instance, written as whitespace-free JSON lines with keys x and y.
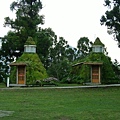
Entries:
{"x":2,"y":85}
{"x":61,"y":104}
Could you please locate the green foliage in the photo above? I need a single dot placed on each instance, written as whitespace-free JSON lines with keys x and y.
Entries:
{"x":107,"y":73}
{"x":84,"y":47}
{"x":13,"y":75}
{"x":27,"y":16}
{"x":85,"y":73}
{"x":25,"y":24}
{"x":45,"y":40}
{"x":60,"y":55}
{"x":61,"y":104}
{"x":2,"y":85}
{"x":3,"y":71}
{"x":98,"y":42}
{"x":30,"y":41}
{"x":81,"y":74}
{"x":111,"y":19}
{"x":50,"y":51}
{"x":59,"y":70}
{"x":34,"y":69}
{"x":116,"y":68}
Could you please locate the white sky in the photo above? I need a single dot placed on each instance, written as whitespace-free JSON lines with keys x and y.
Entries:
{"x":71,"y":19}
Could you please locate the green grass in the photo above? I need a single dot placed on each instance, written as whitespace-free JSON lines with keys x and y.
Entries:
{"x":61,"y":104}
{"x":2,"y":85}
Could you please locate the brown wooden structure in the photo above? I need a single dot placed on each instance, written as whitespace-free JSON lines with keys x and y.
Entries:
{"x":95,"y":72}
{"x":20,"y":74}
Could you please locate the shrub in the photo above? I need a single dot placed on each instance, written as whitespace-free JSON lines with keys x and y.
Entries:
{"x":47,"y":81}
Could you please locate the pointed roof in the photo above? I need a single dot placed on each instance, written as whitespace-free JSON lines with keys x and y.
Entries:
{"x":30,"y":41}
{"x":98,"y":42}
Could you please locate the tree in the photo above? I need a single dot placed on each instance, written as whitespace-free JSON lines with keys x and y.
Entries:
{"x":111,"y":19}
{"x":84,"y":47}
{"x":116,"y":68}
{"x":27,"y":16}
{"x":61,"y":55}
{"x":71,"y":53}
{"x":25,"y":24}
{"x":45,"y":39}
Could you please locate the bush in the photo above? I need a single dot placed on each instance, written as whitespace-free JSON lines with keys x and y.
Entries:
{"x":47,"y":81}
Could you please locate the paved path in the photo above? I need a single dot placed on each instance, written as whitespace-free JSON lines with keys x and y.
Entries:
{"x":65,"y":87}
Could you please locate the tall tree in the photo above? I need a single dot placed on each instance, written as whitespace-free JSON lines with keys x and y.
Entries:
{"x":27,"y":16}
{"x":84,"y":47}
{"x":60,"y":56}
{"x":45,"y":40}
{"x":25,"y":24}
{"x":111,"y":19}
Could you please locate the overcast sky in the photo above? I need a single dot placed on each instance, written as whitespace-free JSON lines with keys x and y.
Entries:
{"x":71,"y":19}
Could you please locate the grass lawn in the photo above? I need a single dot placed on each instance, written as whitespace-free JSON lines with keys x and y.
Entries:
{"x":61,"y":104}
{"x":2,"y":85}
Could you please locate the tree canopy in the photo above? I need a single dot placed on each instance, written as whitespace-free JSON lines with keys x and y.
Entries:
{"x":25,"y":24}
{"x":111,"y":19}
{"x":84,"y":46}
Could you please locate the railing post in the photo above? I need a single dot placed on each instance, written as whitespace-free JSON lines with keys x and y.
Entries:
{"x":7,"y":81}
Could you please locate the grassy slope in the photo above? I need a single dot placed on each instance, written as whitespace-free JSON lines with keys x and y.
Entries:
{"x":61,"y":104}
